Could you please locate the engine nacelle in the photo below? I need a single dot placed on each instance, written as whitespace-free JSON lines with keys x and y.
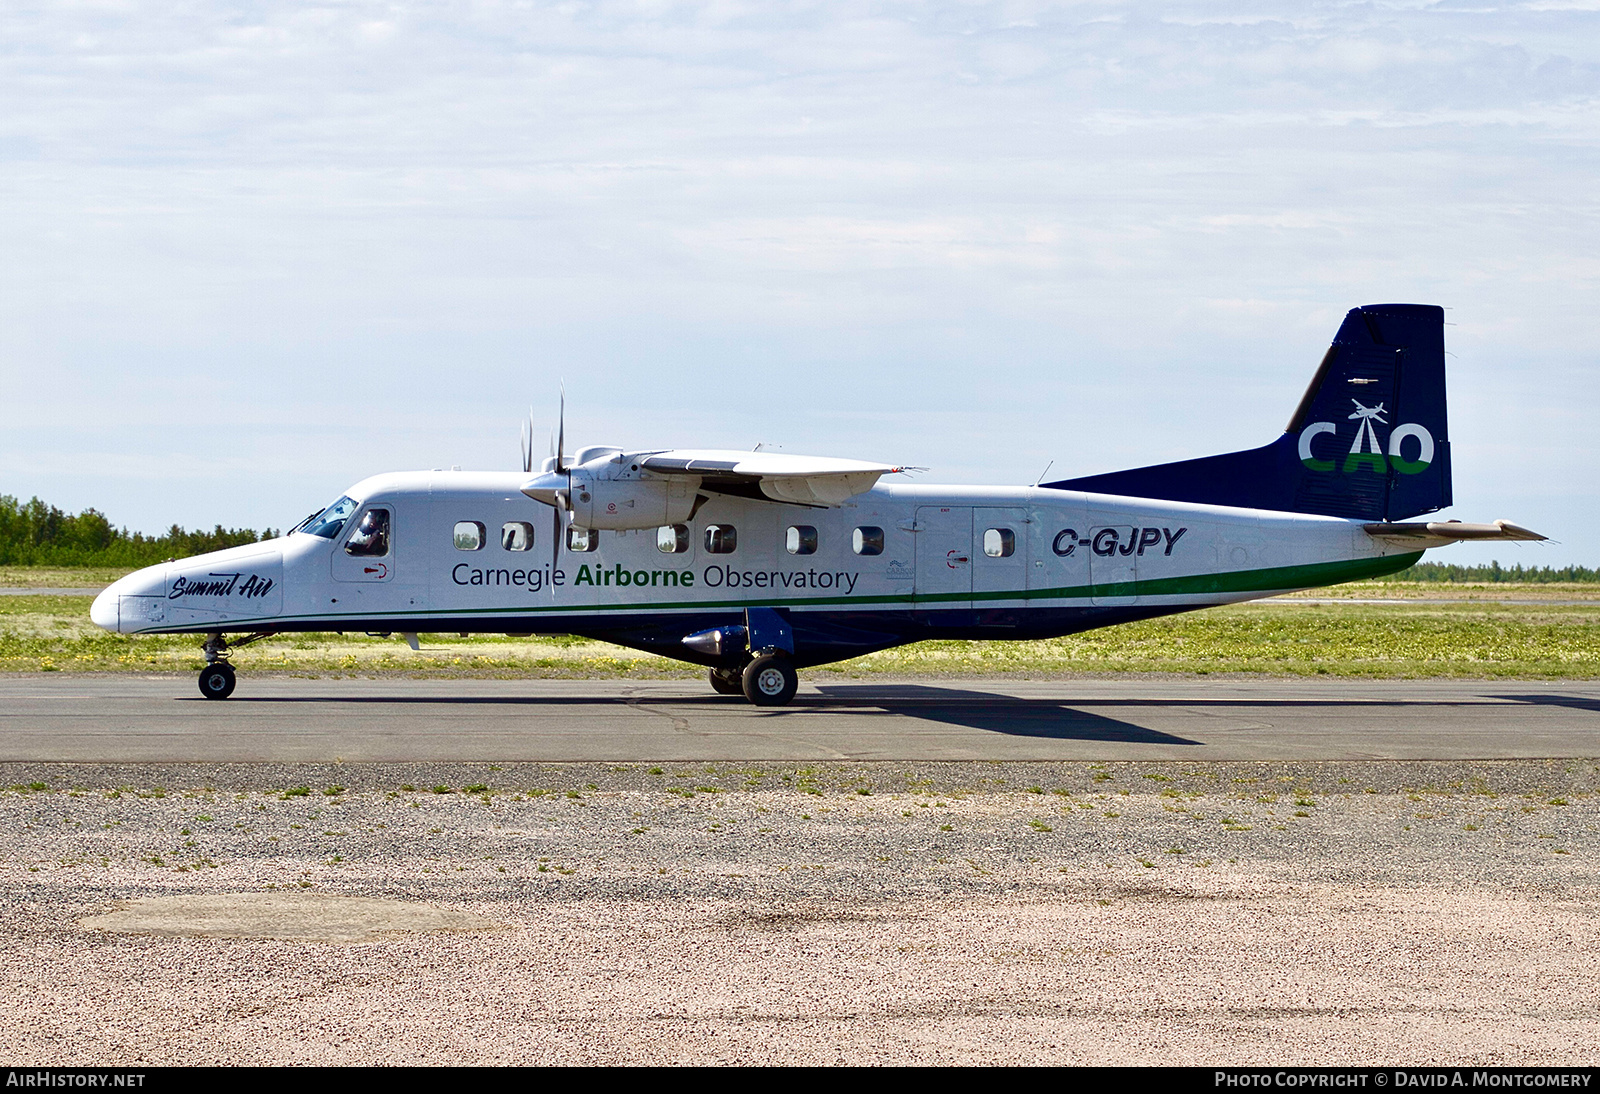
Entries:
{"x":631,"y":503}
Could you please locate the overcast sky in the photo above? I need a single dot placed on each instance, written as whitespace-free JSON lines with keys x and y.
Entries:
{"x":255,"y":252}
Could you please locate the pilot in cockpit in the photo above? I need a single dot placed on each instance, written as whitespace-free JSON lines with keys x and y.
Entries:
{"x":371,"y":537}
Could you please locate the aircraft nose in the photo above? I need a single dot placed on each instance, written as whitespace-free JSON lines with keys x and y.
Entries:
{"x":103,"y":612}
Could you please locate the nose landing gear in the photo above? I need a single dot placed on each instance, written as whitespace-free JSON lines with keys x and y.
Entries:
{"x":217,"y":679}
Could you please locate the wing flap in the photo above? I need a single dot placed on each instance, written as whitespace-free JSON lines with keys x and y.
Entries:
{"x":819,"y":481}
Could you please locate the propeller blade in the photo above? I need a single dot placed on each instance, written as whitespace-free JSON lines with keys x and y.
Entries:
{"x":561,"y":435}
{"x":555,"y":510}
{"x":555,"y":545}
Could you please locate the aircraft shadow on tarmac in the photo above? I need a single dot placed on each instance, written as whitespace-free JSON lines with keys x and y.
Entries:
{"x":1052,"y":718}
{"x":1047,"y":718}
{"x":1576,"y":702}
{"x":1057,"y":719}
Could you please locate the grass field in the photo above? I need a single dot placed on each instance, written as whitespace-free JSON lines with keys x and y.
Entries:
{"x":58,"y":577}
{"x":1440,"y":630}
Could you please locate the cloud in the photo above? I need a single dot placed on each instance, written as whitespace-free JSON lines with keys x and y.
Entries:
{"x":1103,"y":233}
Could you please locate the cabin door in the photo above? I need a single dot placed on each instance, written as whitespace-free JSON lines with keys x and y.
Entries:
{"x":1000,"y":558}
{"x":944,"y":556}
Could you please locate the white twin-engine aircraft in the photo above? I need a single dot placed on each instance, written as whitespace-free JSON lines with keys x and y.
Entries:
{"x":756,"y":564}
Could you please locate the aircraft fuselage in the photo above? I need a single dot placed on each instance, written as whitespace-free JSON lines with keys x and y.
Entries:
{"x":468,"y":552}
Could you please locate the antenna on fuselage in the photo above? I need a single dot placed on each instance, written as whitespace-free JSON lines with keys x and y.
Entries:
{"x":1045,"y":472}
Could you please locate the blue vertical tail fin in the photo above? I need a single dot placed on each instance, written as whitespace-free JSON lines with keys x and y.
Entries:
{"x":1369,"y":440}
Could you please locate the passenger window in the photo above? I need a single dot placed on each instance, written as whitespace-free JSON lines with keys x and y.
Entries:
{"x":721,"y":539}
{"x":371,"y":537}
{"x":672,"y":539}
{"x":999,"y":542}
{"x":867,"y":541}
{"x":582,"y":540}
{"x":801,"y":540}
{"x":469,"y":535}
{"x":516,"y":535}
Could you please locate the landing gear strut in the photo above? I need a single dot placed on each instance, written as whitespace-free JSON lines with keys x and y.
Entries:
{"x":217,"y":679}
{"x":765,"y":674}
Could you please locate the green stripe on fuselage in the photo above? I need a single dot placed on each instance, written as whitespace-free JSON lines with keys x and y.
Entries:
{"x":1273,"y":579}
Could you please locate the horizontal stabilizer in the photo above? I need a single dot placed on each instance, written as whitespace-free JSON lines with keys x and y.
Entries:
{"x":1438,"y":533}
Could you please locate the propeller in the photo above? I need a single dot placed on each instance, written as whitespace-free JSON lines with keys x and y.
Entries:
{"x":554,"y":487}
{"x":566,"y":494}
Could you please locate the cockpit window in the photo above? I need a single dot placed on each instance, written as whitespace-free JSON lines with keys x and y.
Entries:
{"x":371,"y":536}
{"x":328,"y":522}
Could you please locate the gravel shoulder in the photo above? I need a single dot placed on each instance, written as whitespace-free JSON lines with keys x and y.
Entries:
{"x":1319,"y":913}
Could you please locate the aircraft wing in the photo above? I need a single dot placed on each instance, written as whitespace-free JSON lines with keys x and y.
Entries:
{"x":818,"y":481}
{"x":1438,"y":533}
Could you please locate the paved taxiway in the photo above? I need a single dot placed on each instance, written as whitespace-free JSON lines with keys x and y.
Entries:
{"x":116,"y":719}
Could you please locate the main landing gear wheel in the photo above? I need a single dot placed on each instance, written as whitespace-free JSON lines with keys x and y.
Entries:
{"x":770,"y":680}
{"x":726,"y":682}
{"x":217,"y":680}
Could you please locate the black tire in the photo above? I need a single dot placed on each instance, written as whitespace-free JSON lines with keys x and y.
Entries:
{"x":727,"y":682}
{"x":770,"y":680}
{"x":217,"y":680}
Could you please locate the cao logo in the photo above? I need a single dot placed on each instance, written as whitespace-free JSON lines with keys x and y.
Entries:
{"x":1365,"y":450}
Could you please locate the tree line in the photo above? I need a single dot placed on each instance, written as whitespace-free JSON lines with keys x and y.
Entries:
{"x":34,"y":533}
{"x":1494,"y":573}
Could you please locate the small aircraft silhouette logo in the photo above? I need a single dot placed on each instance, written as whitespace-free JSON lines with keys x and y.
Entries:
{"x":1365,"y":433}
{"x":1365,"y":449}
